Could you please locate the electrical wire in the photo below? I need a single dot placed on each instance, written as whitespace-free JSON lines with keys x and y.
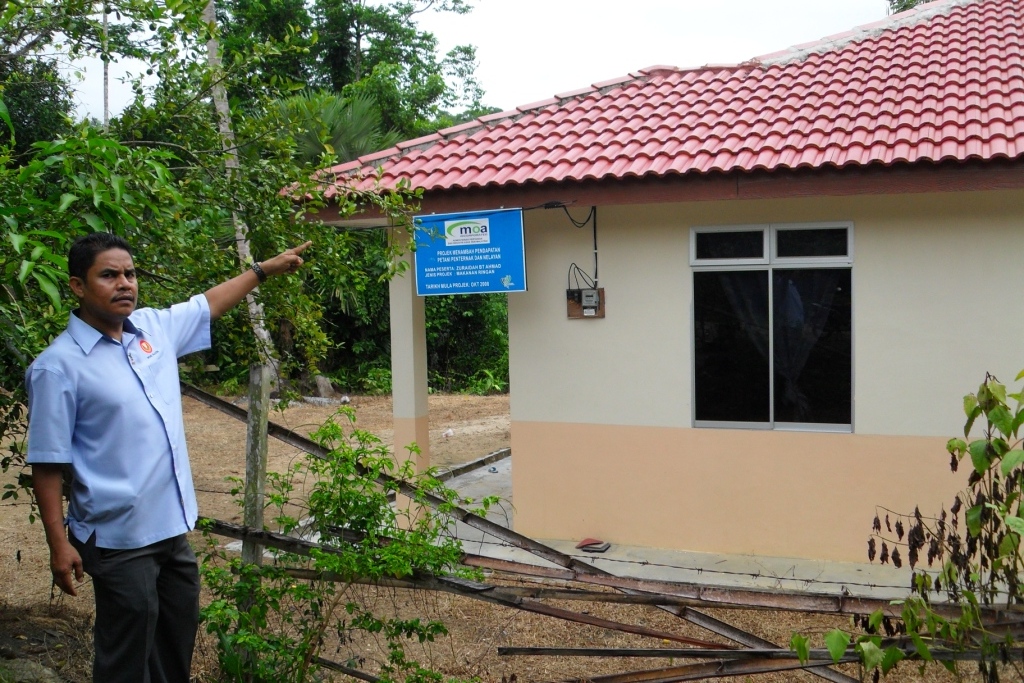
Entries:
{"x":575,"y":270}
{"x":583,"y":223}
{"x":576,"y":275}
{"x":591,"y":217}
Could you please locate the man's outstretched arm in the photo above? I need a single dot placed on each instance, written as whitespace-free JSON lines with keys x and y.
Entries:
{"x":226,"y":295}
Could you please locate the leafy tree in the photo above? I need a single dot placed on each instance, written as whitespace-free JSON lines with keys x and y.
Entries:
{"x":38,"y":100}
{"x":356,"y":48}
{"x":903,"y":5}
{"x":467,"y":341}
{"x":72,"y":28}
{"x":329,"y":128}
{"x":158,"y":180}
{"x":248,"y":22}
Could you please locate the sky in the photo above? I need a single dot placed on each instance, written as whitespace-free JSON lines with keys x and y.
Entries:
{"x":529,"y":50}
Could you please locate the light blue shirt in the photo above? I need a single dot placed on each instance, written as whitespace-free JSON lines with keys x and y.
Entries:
{"x":113,"y":411}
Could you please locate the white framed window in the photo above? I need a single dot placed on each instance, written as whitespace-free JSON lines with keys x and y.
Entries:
{"x":773,"y":326}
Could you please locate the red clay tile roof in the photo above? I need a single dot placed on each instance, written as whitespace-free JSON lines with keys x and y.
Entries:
{"x":942,"y":82}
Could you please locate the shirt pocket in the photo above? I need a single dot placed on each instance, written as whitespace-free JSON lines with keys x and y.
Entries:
{"x":159,"y":381}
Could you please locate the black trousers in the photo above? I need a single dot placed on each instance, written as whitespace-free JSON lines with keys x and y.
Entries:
{"x":147,"y":610}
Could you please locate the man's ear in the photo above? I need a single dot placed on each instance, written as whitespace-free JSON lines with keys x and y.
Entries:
{"x":77,"y":286}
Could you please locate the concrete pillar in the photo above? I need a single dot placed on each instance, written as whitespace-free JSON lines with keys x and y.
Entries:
{"x":409,"y":363}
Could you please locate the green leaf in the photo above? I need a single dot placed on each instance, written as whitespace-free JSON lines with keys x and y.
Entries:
{"x":6,"y":118}
{"x":971,"y":417}
{"x":94,"y":222}
{"x":17,"y":240}
{"x":970,"y":403}
{"x":1008,"y":546}
{"x":65,"y":201}
{"x":870,"y":654}
{"x":49,"y":233}
{"x":973,"y":517}
{"x":1019,"y":377}
{"x":979,"y":455}
{"x":891,"y":657}
{"x":875,"y":619}
{"x":1016,"y":524}
{"x":49,"y":288}
{"x":1001,"y":418}
{"x":998,"y":391}
{"x":1011,"y":460}
{"x":23,"y":272}
{"x":801,"y":646}
{"x":117,"y":183}
{"x":956,"y":447}
{"x":837,"y":641}
{"x":921,"y":647}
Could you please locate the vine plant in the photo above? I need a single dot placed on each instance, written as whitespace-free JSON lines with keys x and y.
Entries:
{"x":272,"y":626}
{"x":972,"y":553}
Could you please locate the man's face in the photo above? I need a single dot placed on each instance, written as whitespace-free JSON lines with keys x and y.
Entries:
{"x":107,"y":295}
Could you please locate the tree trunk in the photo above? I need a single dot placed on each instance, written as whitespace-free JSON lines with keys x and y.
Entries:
{"x":262,"y":375}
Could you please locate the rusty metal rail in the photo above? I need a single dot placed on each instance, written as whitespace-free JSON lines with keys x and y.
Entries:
{"x":579,"y":568}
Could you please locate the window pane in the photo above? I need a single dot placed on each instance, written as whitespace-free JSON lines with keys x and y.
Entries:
{"x":731,"y":371}
{"x":817,"y":242}
{"x":813,"y":345}
{"x":730,"y":245}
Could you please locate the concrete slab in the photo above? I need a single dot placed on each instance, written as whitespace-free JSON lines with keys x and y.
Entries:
{"x":747,"y":571}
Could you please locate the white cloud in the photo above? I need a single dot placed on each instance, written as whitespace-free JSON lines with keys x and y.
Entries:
{"x":529,"y":50}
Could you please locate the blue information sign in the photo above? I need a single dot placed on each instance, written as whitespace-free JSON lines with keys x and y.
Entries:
{"x":470,"y":253}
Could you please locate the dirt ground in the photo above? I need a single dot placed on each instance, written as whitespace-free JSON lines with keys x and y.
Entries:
{"x":54,"y":630}
{"x":479,"y":425}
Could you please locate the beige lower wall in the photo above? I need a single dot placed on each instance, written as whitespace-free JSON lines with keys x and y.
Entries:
{"x":412,"y":430}
{"x":409,"y":431}
{"x":786,"y":494}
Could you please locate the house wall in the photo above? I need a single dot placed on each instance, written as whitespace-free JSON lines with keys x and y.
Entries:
{"x":601,"y":409}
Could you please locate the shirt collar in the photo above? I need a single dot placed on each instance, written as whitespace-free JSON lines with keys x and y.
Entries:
{"x":88,"y":336}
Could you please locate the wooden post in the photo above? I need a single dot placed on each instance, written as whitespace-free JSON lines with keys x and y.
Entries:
{"x":263,"y":375}
{"x":256,"y":458}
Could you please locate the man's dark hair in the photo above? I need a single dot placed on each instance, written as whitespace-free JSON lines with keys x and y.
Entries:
{"x":83,"y":251}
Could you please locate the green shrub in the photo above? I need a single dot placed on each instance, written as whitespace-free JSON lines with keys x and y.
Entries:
{"x":271,"y":626}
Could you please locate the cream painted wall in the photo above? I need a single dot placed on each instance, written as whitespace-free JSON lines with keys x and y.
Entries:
{"x":625,"y":368}
{"x":935,"y":307}
{"x":928,"y":270}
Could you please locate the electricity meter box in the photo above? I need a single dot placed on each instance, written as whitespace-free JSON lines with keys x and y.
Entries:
{"x":585,"y":303}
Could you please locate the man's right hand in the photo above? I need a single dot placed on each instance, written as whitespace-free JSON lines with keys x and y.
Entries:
{"x":47,"y":483}
{"x":65,"y":562}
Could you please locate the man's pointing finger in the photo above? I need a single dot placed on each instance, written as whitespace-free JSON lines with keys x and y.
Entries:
{"x":301,"y":248}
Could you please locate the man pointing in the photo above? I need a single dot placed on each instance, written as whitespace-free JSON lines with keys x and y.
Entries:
{"x":104,"y":399}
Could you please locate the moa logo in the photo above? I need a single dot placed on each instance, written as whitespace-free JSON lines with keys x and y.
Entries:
{"x":475,"y":231}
